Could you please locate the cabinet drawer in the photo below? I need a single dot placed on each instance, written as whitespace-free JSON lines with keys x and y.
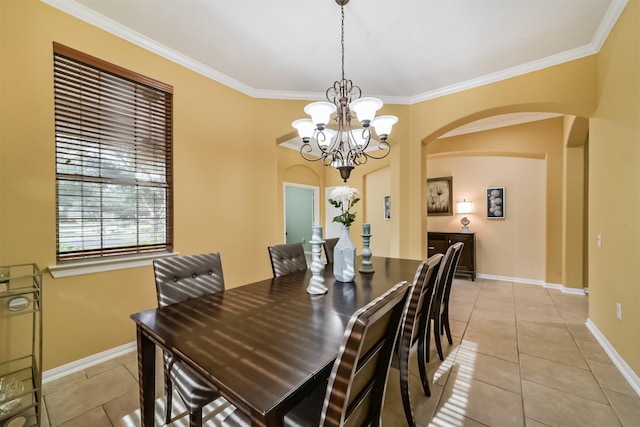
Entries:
{"x":438,"y":242}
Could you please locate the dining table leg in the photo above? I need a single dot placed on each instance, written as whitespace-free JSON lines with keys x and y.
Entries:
{"x":270,"y":420}
{"x":146,"y":377}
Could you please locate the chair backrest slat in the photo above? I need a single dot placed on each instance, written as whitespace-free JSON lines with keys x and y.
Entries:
{"x":418,"y":305}
{"x":452,"y":270}
{"x":190,"y":276}
{"x":445,"y":275}
{"x":287,"y":258}
{"x":355,"y":393}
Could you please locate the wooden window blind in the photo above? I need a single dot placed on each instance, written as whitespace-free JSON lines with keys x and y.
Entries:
{"x":113,"y":131}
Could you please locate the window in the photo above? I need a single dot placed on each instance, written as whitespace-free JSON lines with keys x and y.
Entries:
{"x":113,"y":133}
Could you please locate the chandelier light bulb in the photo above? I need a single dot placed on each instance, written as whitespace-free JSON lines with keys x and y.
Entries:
{"x":320,"y":113}
{"x":365,"y":108}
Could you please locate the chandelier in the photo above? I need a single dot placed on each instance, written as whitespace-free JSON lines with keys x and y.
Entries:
{"x":345,"y":147}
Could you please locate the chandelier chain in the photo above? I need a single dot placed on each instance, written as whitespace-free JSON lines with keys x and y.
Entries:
{"x":342,"y":39}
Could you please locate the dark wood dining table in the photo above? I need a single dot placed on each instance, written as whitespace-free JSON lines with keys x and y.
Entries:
{"x":264,"y":345}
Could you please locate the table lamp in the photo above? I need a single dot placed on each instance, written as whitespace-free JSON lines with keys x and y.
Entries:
{"x":464,"y":207}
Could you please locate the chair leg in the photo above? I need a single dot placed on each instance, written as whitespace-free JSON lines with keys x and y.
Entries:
{"x":422,"y":368}
{"x":168,"y":391}
{"x":195,"y":418}
{"x":427,"y":342}
{"x":436,"y":336}
{"x":447,"y":328}
{"x":404,"y":392}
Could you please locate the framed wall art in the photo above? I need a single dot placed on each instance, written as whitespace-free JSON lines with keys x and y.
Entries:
{"x":387,"y":207}
{"x":440,"y":196}
{"x":495,"y":203}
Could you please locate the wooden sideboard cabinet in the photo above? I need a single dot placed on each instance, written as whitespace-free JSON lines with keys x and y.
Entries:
{"x":438,"y":243}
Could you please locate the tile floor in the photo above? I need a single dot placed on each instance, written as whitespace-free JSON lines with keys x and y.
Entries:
{"x":522,"y":356}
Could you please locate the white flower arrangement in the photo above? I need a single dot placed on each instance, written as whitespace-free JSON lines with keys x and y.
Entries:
{"x":344,"y":198}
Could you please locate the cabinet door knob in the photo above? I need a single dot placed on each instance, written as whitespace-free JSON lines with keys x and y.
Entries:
{"x":432,"y":247}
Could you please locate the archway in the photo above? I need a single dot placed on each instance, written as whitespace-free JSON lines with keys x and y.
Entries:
{"x":557,"y":141}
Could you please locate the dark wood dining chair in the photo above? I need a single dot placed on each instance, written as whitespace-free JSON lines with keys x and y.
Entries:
{"x":354,"y":393}
{"x":287,"y":258}
{"x":412,"y":330}
{"x":357,"y":384}
{"x":328,"y":246}
{"x":178,"y":279}
{"x":440,"y":306}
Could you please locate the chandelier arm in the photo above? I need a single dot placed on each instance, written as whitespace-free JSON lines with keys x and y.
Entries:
{"x":306,"y":149}
{"x":355,"y":92}
{"x":360,"y":159}
{"x":326,"y":152}
{"x":335,"y":159}
{"x":383,"y":146}
{"x":326,"y":161}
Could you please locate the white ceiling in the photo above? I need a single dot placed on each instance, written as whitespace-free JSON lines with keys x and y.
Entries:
{"x":403,"y":51}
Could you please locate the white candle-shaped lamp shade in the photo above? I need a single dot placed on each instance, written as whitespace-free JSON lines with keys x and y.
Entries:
{"x":305,"y":128}
{"x":325,"y":137}
{"x":366,"y":228}
{"x":383,"y":125}
{"x":464,"y":207}
{"x":365,"y":108}
{"x":320,"y":113}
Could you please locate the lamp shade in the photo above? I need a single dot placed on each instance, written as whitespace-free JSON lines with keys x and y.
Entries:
{"x":366,"y":108}
{"x":320,"y":113}
{"x":383,"y":125}
{"x":305,"y":128}
{"x":464,"y":207}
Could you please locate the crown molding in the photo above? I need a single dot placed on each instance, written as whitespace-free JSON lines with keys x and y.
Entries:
{"x":87,"y":15}
{"x":613,"y":13}
{"x":516,"y":71}
{"x":610,"y":18}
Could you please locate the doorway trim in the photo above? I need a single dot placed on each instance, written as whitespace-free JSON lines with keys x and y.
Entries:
{"x":316,"y":204}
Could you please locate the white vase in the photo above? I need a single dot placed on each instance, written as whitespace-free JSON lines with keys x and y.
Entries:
{"x":344,"y":257}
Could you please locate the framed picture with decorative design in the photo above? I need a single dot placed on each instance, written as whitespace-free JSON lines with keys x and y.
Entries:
{"x":495,"y":203}
{"x":440,"y":196}
{"x":387,"y":207}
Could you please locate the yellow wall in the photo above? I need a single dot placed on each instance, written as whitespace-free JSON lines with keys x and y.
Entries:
{"x":378,"y":185}
{"x":229,"y":172}
{"x":513,"y":247}
{"x":614,"y":189}
{"x":538,"y":140}
{"x":217,"y":198}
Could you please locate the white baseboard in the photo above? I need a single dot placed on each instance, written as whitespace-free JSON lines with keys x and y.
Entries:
{"x":78,"y":365}
{"x":623,"y":367}
{"x":561,"y":288}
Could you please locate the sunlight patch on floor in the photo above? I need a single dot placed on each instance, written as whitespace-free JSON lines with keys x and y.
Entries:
{"x":451,"y":412}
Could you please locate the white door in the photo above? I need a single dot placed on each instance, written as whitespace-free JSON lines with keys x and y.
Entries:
{"x":300,"y":213}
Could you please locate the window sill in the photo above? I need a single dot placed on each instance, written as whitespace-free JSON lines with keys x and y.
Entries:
{"x":78,"y":268}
